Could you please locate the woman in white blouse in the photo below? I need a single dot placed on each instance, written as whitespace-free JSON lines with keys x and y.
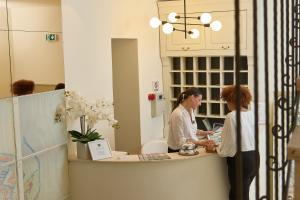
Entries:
{"x":183,"y":125}
{"x":228,"y":146}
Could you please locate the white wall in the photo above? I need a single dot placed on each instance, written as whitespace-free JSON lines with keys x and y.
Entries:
{"x":88,"y":27}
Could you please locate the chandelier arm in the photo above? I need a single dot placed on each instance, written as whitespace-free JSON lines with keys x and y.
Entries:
{"x":180,"y":17}
{"x":205,"y":25}
{"x":189,"y":32}
{"x":181,"y":30}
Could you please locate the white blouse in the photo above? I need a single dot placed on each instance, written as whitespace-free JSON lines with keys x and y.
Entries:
{"x":182,"y":127}
{"x":228,"y":146}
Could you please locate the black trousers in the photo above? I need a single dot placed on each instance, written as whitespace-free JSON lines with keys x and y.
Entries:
{"x":172,"y":150}
{"x":250,"y":161}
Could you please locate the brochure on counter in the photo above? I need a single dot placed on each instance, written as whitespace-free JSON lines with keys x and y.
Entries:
{"x":217,"y":136}
{"x":217,"y":128}
{"x":100,"y":149}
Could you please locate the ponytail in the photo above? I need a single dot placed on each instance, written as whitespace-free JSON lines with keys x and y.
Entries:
{"x":180,"y":98}
{"x":184,"y":95}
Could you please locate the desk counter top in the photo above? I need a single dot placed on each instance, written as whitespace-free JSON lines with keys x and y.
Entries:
{"x":203,"y":176}
{"x":122,"y":157}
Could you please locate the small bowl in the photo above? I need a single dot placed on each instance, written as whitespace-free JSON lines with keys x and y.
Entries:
{"x":188,"y":146}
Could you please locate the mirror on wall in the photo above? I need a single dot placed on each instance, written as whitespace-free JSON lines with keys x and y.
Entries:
{"x":30,"y":46}
{"x":33,"y":148}
{"x":5,"y":73}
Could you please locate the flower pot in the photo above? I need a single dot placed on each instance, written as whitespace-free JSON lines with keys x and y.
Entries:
{"x":83,"y":151}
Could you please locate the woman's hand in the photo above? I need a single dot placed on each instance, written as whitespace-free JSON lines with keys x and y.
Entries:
{"x":204,"y":133}
{"x":210,"y":147}
{"x":207,"y":143}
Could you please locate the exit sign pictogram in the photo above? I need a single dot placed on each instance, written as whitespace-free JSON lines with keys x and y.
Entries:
{"x":51,"y":37}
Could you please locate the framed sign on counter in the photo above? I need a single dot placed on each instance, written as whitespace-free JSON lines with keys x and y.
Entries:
{"x":100,"y":149}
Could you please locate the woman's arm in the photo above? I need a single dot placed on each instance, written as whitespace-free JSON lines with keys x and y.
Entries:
{"x":204,"y":133}
{"x":176,"y":125}
{"x":227,"y":148}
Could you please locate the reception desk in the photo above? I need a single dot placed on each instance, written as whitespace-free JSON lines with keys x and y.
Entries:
{"x":203,"y":176}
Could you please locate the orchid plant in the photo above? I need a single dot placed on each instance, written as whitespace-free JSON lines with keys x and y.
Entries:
{"x":77,"y":107}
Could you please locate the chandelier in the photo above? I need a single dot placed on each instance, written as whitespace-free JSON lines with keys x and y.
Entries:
{"x":168,"y":26}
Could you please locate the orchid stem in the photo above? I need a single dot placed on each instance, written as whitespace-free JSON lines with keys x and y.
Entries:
{"x":82,"y":124}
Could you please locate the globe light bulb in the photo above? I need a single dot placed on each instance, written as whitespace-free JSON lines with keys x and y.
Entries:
{"x":155,"y":22}
{"x":205,"y":18}
{"x":216,"y":25}
{"x":167,"y":28}
{"x":172,"y":17}
{"x":194,"y":33}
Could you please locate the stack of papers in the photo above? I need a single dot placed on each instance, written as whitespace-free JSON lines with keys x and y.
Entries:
{"x":217,"y":136}
{"x":154,"y":156}
{"x":217,"y":129}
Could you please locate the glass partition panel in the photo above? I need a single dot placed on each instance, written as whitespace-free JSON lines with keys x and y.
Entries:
{"x":38,"y":129}
{"x":33,"y":150}
{"x":5,"y":72}
{"x":34,"y":15}
{"x":8,"y":171}
{"x":46,"y":176}
{"x":7,"y":142}
{"x":8,"y":182}
{"x":3,"y":15}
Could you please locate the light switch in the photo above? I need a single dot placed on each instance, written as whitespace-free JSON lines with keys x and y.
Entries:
{"x":158,"y":105}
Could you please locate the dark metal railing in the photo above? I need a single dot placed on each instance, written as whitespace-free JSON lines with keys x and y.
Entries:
{"x":238,"y":164}
{"x":286,"y":32}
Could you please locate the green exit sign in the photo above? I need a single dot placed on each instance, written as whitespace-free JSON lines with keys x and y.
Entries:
{"x":51,"y":37}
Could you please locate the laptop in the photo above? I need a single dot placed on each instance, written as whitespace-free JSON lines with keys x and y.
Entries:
{"x":207,"y":124}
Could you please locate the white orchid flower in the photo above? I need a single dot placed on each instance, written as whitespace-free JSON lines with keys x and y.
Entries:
{"x":76,"y":107}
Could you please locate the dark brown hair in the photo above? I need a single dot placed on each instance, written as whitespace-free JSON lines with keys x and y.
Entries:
{"x":184,"y":95}
{"x":229,"y":94}
{"x":22,"y":87}
{"x":60,"y":86}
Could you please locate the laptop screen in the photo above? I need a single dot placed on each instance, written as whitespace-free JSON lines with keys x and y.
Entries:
{"x":207,"y":124}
